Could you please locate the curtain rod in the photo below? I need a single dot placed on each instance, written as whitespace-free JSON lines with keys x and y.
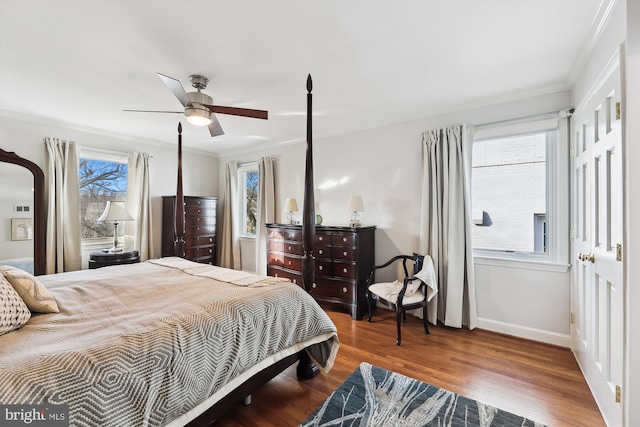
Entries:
{"x":559,"y":113}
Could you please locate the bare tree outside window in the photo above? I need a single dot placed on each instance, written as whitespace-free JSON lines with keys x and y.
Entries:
{"x":100,"y":181}
{"x":251,"y":182}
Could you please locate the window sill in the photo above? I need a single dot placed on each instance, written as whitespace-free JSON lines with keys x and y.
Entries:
{"x":97,"y":243}
{"x":550,"y":266}
{"x":248,"y":238}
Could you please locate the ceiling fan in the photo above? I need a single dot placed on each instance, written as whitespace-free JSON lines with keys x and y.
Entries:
{"x":198,"y":106}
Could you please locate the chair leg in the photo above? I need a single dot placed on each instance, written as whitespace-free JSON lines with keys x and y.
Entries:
{"x":424,"y":319}
{"x":398,"y":324}
{"x":368,"y":297}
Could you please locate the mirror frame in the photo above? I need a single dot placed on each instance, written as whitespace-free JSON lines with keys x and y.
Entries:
{"x":39,"y":217}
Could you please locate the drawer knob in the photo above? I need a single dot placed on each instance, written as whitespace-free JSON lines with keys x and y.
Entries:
{"x":210,"y":239}
{"x":320,"y":238}
{"x":344,"y":290}
{"x":320,"y":252}
{"x":345,"y":270}
{"x":313,"y":285}
{"x":295,"y":281}
{"x":210,"y":250}
{"x":344,"y":253}
{"x":289,"y":247}
{"x":320,"y":267}
{"x":344,"y":239}
{"x":289,"y":262}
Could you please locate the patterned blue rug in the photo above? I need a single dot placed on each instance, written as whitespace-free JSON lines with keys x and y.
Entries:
{"x":373,"y":396}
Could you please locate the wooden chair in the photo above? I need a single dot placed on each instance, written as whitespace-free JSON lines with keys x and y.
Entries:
{"x":395,"y":296}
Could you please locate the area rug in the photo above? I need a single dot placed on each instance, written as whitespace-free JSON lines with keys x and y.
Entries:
{"x":372,"y":396}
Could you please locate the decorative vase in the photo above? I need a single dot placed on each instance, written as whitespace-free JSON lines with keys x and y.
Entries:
{"x":318,"y":219}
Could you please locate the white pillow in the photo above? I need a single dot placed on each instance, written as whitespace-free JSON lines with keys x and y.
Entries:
{"x":13,"y":311}
{"x":34,"y":294}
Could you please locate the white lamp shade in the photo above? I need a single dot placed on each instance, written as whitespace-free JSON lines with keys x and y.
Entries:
{"x":115,"y":211}
{"x":355,"y":204}
{"x":290,"y":205}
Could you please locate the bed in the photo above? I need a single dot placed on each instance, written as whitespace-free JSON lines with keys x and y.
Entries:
{"x":156,"y":343}
{"x":167,"y":342}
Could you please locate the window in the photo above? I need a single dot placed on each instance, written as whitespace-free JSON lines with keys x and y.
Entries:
{"x":519,"y":192}
{"x":248,"y":186}
{"x":102,"y":177}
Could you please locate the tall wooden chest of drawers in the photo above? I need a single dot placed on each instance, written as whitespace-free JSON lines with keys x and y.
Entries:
{"x":343,"y":256}
{"x":200,"y":229}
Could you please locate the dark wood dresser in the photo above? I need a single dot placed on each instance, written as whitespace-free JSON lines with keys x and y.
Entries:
{"x":343,"y":256}
{"x":200,"y":230}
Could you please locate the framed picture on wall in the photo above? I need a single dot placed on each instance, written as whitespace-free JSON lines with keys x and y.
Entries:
{"x":21,"y":228}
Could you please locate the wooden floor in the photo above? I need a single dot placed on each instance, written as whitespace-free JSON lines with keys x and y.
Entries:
{"x":534,"y":380}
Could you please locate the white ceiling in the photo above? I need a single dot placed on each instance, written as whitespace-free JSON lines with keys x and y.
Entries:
{"x":378,"y":61}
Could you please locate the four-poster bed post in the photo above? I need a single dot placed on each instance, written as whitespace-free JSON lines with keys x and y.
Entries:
{"x":179,"y":228}
{"x":308,"y":209}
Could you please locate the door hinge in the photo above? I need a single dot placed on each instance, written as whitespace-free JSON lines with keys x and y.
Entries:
{"x":572,"y":152}
{"x":572,"y":235}
{"x":618,"y":110}
{"x":572,"y":318}
{"x":618,"y":393}
{"x":618,"y":252}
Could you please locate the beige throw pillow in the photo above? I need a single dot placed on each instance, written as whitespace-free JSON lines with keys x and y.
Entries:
{"x":31,"y":290}
{"x":13,"y":311}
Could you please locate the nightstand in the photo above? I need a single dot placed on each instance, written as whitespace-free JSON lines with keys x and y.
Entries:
{"x":99,"y":259}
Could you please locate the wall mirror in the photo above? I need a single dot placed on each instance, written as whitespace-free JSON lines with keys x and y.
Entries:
{"x":22,"y":212}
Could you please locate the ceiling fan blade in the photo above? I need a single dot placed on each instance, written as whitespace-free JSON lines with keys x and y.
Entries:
{"x":214,"y":127}
{"x":176,"y":87}
{"x":153,"y":111}
{"x":245,"y":112}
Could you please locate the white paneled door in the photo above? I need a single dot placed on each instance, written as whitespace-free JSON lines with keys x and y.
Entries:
{"x":597,"y":326}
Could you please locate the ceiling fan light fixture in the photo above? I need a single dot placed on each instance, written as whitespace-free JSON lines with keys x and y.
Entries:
{"x":198,"y":116}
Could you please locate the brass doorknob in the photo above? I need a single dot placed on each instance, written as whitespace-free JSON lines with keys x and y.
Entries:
{"x":590,"y":257}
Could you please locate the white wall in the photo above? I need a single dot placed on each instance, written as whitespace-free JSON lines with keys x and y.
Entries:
{"x":24,"y":136}
{"x":384,"y":166}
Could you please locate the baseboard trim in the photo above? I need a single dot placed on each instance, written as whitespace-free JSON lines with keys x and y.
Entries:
{"x":526,"y":332}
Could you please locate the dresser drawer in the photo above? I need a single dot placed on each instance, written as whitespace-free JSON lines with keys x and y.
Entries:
{"x":208,"y":259}
{"x":346,"y":270}
{"x":292,"y":248}
{"x":200,"y":241}
{"x":276,"y":272}
{"x":275,"y":259}
{"x":322,"y":239}
{"x":275,"y":233}
{"x":190,"y":202}
{"x":293,"y":263}
{"x":322,"y":251}
{"x":344,"y":253}
{"x":198,"y":252}
{"x":196,"y":211}
{"x":333,"y":288}
{"x":344,"y":239}
{"x":323,"y":267}
{"x":208,"y":230}
{"x":292,"y":235}
{"x":275,"y":245}
{"x":201,"y":220}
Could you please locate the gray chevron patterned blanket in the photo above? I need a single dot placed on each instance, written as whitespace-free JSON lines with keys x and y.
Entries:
{"x":143,"y":344}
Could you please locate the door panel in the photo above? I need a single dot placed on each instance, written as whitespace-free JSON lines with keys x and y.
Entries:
{"x":597,"y":285}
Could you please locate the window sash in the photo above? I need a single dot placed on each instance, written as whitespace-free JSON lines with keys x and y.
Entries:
{"x":551,"y":190}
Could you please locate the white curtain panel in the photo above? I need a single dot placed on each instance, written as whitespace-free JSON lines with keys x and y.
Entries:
{"x":266,"y":210}
{"x":229,"y":244}
{"x":139,"y":232}
{"x":63,"y":243}
{"x":445,"y":230}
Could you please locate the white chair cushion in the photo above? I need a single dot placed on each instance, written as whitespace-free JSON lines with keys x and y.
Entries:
{"x":390,"y":291}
